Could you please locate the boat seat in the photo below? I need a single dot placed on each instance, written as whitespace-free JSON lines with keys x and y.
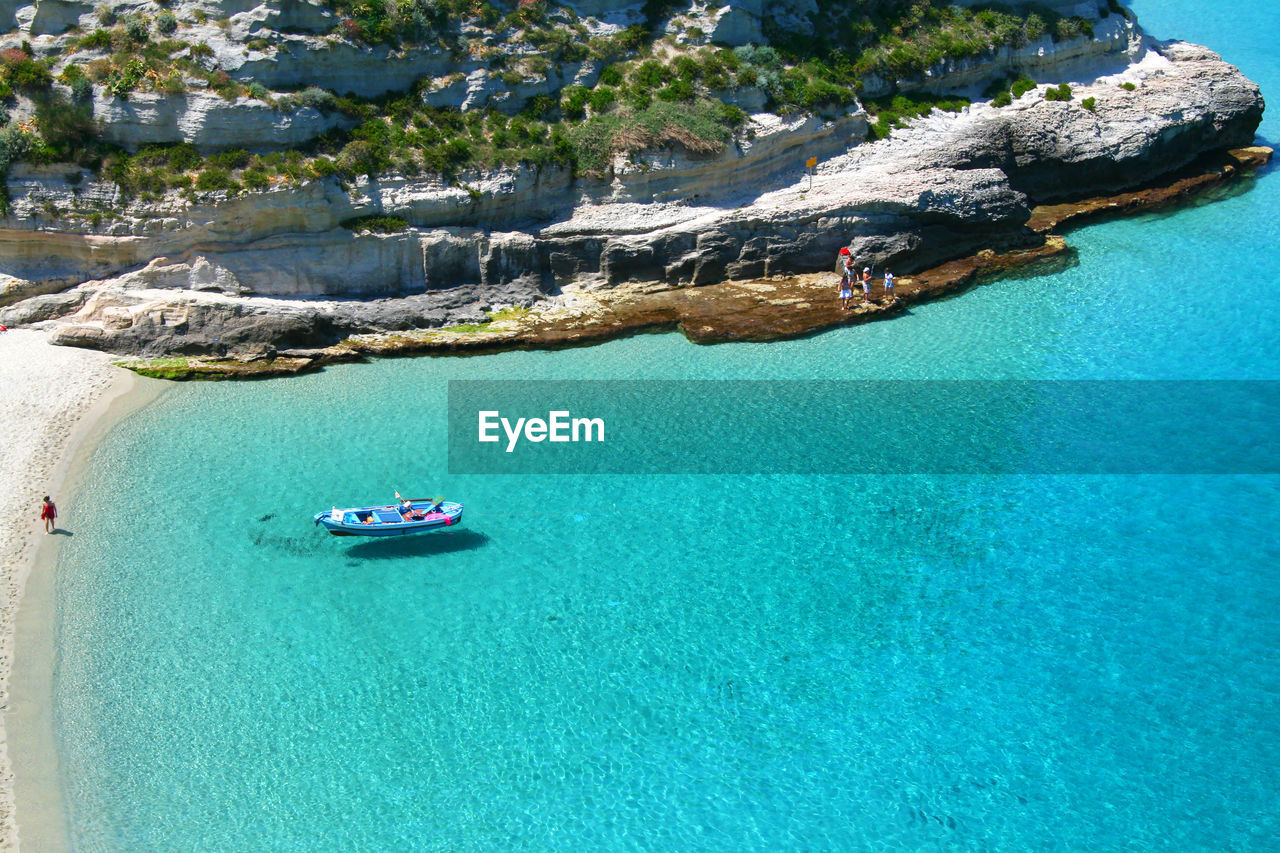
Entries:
{"x":388,"y":516}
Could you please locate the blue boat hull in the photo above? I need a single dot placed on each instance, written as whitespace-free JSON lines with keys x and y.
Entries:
{"x":389,"y":520}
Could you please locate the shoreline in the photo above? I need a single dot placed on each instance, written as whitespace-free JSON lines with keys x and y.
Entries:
{"x":57,"y":406}
{"x":103,"y":395}
{"x":51,"y":446}
{"x":748,"y":310}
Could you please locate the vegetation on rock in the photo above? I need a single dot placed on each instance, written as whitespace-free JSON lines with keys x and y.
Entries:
{"x":643,"y":88}
{"x":1058,"y":93}
{"x":376,"y":224}
{"x":898,"y":110}
{"x":1003,"y":92}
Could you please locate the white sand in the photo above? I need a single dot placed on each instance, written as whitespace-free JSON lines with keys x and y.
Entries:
{"x":45,"y":394}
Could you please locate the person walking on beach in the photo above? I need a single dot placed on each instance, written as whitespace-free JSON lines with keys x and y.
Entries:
{"x":49,"y":513}
{"x":888,"y":285}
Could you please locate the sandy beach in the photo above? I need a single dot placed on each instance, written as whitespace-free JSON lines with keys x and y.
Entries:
{"x":51,"y":398}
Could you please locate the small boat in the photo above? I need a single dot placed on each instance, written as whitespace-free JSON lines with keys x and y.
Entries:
{"x":412,"y":516}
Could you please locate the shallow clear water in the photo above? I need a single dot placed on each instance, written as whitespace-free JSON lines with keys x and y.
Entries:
{"x":1006,"y":663}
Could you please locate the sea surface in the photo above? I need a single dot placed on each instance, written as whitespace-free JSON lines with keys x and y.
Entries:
{"x":1014,"y":662}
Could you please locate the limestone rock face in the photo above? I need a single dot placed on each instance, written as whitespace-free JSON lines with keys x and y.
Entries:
{"x":602,"y":8}
{"x":742,"y":21}
{"x":287,"y":16}
{"x":208,"y":121}
{"x":734,"y":25}
{"x":234,"y":275}
{"x":1187,"y":101}
{"x":8,"y":8}
{"x":1117,"y":42}
{"x":56,"y":16}
{"x":298,"y":61}
{"x":315,"y":264}
{"x":1090,"y":9}
{"x":779,"y":146}
{"x":483,"y":89}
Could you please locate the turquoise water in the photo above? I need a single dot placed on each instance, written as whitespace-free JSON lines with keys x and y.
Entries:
{"x":622,"y":662}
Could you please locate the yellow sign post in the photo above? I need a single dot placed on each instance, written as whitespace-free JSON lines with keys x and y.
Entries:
{"x":810,"y":165}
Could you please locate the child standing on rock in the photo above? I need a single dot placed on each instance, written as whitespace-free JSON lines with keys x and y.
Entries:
{"x":846,"y":277}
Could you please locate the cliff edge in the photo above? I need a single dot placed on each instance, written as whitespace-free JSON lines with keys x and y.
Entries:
{"x":904,"y":180}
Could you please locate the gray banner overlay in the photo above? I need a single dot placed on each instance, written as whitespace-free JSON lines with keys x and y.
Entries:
{"x":864,"y":427}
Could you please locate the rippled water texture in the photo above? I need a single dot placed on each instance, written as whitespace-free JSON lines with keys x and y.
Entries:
{"x":677,"y":663}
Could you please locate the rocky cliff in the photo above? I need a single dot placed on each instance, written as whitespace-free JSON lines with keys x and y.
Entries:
{"x":247,"y":274}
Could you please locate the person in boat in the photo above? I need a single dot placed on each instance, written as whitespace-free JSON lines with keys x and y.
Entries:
{"x":405,"y":507}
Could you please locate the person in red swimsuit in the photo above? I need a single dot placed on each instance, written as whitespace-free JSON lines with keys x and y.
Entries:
{"x":49,"y":513}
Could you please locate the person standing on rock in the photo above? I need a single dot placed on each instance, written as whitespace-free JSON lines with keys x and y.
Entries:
{"x":846,"y":278}
{"x":866,"y":284}
{"x":888,"y":285}
{"x":49,"y":513}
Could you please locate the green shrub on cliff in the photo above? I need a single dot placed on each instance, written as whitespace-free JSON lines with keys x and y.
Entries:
{"x":255,"y":180}
{"x":1058,"y":93}
{"x":1035,"y":27}
{"x":82,"y":90}
{"x":377,"y":223}
{"x":394,"y":21}
{"x":123,"y":80}
{"x":1021,"y":86}
{"x":213,"y":178}
{"x":14,"y":143}
{"x":1074,"y":27}
{"x":898,"y":110}
{"x":138,"y":28}
{"x":700,"y":127}
{"x":573,"y":101}
{"x":67,"y":128}
{"x":314,"y":97}
{"x":559,"y":44}
{"x":653,"y":92}
{"x":22,"y":73}
{"x":96,"y":40}
{"x":904,"y":40}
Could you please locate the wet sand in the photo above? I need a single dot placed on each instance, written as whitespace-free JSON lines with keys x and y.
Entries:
{"x":55,"y":405}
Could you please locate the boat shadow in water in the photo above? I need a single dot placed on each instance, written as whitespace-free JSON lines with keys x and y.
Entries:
{"x":399,"y":547}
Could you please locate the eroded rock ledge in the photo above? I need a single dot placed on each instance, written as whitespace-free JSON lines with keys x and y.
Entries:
{"x":744,"y":311}
{"x":255,"y":277}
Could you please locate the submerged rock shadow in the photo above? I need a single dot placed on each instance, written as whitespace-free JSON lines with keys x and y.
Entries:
{"x":422,"y":545}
